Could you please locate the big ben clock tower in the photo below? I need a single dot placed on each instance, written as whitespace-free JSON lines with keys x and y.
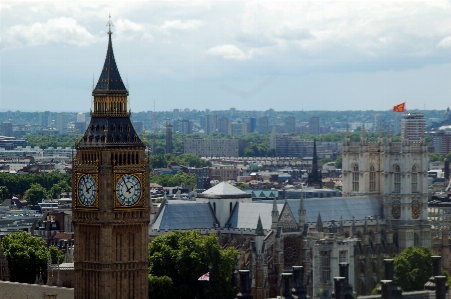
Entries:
{"x":110,"y":196}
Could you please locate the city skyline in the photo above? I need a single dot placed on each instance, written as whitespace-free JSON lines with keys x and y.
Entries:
{"x":249,"y":55}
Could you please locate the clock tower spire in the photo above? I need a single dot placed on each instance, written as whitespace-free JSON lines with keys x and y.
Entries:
{"x":110,"y":196}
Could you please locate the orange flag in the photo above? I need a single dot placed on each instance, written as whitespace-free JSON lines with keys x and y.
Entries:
{"x":400,"y":107}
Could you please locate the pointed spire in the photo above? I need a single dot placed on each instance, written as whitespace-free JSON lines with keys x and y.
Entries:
{"x":301,"y":205}
{"x":388,"y":140}
{"x":353,"y":230}
{"x":259,"y":230}
{"x":274,"y":214}
{"x":110,"y":80}
{"x":380,"y":138}
{"x":363,"y":131}
{"x":390,"y":228}
{"x":378,"y":228}
{"x":319,"y":224}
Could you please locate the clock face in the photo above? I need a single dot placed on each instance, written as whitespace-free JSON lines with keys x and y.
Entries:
{"x":396,"y":210}
{"x":416,"y":210}
{"x":128,"y":190}
{"x":87,"y":190}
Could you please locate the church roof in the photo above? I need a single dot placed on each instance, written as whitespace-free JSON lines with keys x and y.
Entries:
{"x":224,"y":190}
{"x":110,"y":80}
{"x":180,"y":214}
{"x":332,"y":208}
{"x":246,"y":215}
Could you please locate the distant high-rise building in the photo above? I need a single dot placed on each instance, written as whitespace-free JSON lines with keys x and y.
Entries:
{"x":7,"y":128}
{"x":232,"y":112}
{"x":176,"y":113}
{"x":214,"y":147}
{"x":223,"y":125}
{"x":290,"y":124}
{"x":314,"y":128}
{"x":168,"y":139}
{"x":413,"y":126}
{"x":396,"y":124}
{"x":380,"y":122}
{"x":45,"y":118}
{"x":262,"y":125}
{"x":251,"y":124}
{"x":81,"y":117}
{"x":237,"y":128}
{"x":183,"y":126}
{"x":61,"y":122}
{"x":138,"y":125}
{"x":210,"y":123}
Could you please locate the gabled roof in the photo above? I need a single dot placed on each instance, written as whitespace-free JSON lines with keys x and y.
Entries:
{"x":332,"y":208}
{"x":245,"y":215}
{"x":180,"y":214}
{"x":224,"y":190}
{"x":110,"y":80}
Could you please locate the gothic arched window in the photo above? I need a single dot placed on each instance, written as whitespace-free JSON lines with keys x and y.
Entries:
{"x":397,"y":179}
{"x":355,"y":177}
{"x":372,"y":178}
{"x":414,"y":179}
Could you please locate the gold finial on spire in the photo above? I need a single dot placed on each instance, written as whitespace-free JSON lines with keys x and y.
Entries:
{"x":109,"y":24}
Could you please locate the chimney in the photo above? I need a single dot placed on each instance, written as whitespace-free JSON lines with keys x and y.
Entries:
{"x":440,"y":290}
{"x":244,"y":286}
{"x":286,"y":286}
{"x":347,"y":287}
{"x":298,"y":289}
{"x":396,"y":292}
{"x":431,"y":284}
{"x":386,"y":289}
{"x":388,"y":263}
{"x":338,"y":287}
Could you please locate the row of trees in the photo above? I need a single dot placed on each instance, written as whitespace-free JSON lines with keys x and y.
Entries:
{"x":28,"y":256}
{"x":174,"y":180}
{"x":163,"y":160}
{"x":34,"y":187}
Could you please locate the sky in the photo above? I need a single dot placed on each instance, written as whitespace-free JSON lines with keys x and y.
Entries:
{"x":250,"y":55}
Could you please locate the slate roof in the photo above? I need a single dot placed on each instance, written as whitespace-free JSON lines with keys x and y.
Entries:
{"x":245,"y":215}
{"x":224,"y":190}
{"x":110,"y":80}
{"x":181,"y":214}
{"x":332,"y":208}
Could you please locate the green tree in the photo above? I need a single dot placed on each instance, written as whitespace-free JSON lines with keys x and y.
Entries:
{"x":434,"y":157}
{"x":59,"y":188}
{"x":56,"y":255}
{"x":161,"y":287}
{"x":4,"y":193}
{"x":26,"y":255}
{"x":35,"y":194}
{"x":326,"y":160}
{"x":339,"y":162}
{"x":412,"y":268}
{"x":174,"y":180}
{"x":185,"y":256}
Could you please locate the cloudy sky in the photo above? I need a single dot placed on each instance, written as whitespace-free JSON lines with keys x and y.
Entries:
{"x":251,"y":55}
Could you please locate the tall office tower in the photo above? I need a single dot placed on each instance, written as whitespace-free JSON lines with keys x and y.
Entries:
{"x":168,"y":139}
{"x":232,"y":112}
{"x":237,"y":129}
{"x":211,"y":121}
{"x":81,"y":117}
{"x":223,"y":125}
{"x":175,"y":113}
{"x":61,"y":122}
{"x":290,"y":124}
{"x":110,"y":187}
{"x":186,"y":126}
{"x":262,"y":125}
{"x":413,"y":126}
{"x":80,"y":124}
{"x":396,"y":124}
{"x":45,"y":118}
{"x":138,"y":125}
{"x":313,"y":125}
{"x":251,"y":124}
{"x":380,"y":122}
{"x":7,"y":128}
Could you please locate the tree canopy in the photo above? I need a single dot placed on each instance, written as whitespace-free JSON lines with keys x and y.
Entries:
{"x":35,"y":194}
{"x":27,"y":256}
{"x":183,"y":257}
{"x":163,"y":160}
{"x":174,"y":180}
{"x":412,"y":268}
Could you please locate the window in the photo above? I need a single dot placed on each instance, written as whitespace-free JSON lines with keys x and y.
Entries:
{"x":414,"y":179}
{"x":324,"y":257}
{"x":372,"y":178}
{"x":355,"y":177}
{"x":343,"y":256}
{"x":397,"y":179}
{"x":416,"y":240}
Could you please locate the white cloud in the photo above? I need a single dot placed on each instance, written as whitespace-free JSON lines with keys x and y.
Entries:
{"x":60,"y":30}
{"x":229,"y":52}
{"x":445,"y":43}
{"x":180,"y":25}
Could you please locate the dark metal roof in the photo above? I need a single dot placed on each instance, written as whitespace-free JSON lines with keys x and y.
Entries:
{"x":185,"y":215}
{"x":110,"y":132}
{"x":246,"y":215}
{"x":110,"y":80}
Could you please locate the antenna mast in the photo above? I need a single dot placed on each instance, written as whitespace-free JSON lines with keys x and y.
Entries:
{"x":154,"y":152}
